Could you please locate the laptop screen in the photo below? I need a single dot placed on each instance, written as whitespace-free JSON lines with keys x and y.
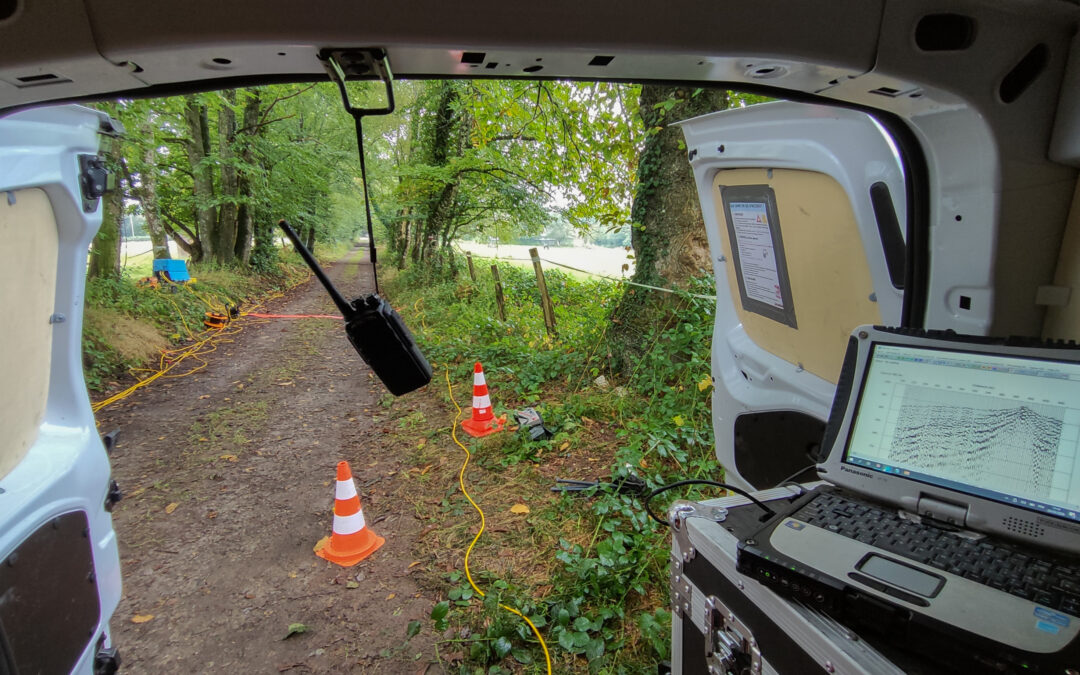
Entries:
{"x":998,"y":427}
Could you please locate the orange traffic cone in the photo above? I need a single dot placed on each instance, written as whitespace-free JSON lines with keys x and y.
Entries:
{"x":483,"y":420}
{"x":351,"y":540}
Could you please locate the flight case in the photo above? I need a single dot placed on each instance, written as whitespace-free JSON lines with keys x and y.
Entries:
{"x":723,"y":622}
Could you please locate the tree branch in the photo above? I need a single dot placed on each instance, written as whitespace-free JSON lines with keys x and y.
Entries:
{"x":515,"y":137}
{"x":177,"y":169}
{"x":186,"y":246}
{"x":183,"y":227}
{"x":262,"y":124}
{"x":279,"y":99}
{"x":491,"y":172}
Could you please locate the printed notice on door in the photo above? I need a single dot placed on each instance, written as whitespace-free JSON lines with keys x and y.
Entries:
{"x":757,"y":255}
{"x":757,"y":252}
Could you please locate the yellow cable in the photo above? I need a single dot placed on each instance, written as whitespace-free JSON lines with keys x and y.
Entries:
{"x":206,"y":302}
{"x":483,"y":524}
{"x":186,"y":327}
{"x":191,"y":351}
{"x":194,"y":351}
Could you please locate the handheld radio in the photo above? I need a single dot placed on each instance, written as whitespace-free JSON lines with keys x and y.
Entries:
{"x":375,"y":330}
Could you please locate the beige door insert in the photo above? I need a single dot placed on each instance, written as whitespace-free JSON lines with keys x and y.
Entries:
{"x":27,"y":294}
{"x":831,"y":287}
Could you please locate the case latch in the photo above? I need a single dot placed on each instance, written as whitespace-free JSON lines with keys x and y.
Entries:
{"x":730,"y":647}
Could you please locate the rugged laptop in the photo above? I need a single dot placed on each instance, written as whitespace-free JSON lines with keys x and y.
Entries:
{"x":955,"y":516}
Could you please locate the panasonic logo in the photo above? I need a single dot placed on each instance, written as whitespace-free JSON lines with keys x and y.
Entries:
{"x":864,"y":474}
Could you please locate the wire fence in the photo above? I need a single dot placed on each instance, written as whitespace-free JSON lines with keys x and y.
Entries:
{"x":602,"y":276}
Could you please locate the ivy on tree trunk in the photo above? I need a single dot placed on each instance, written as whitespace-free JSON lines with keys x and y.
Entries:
{"x":668,"y":232}
{"x":105,"y":249}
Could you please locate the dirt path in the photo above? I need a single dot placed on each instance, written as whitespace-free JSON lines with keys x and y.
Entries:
{"x":228,"y":482}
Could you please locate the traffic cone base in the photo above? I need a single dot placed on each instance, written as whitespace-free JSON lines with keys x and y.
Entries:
{"x":351,"y":540}
{"x":481,"y":428}
{"x":352,"y":552}
{"x":483,"y":421}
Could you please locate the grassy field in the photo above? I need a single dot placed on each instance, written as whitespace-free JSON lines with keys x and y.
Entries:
{"x":588,"y":261}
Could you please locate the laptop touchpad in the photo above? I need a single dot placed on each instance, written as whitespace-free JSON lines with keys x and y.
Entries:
{"x":900,"y":575}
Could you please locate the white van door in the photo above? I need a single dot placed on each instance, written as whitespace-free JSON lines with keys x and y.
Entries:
{"x":59,"y":562}
{"x":805,"y":208}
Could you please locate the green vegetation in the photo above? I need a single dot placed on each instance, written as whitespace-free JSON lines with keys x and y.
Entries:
{"x":211,"y":173}
{"x":601,"y":563}
{"x":487,"y":159}
{"x":128,"y":324}
{"x":625,"y":384}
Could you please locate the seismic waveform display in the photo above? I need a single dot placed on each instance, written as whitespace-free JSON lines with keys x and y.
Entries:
{"x":1012,"y":450}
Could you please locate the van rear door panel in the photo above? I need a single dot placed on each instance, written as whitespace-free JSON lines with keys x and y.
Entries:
{"x":802,"y":206}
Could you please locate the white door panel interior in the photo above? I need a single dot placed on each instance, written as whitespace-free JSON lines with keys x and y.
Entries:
{"x":820,"y":164}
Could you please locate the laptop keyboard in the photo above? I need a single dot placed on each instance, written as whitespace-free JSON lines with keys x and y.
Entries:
{"x":999,"y":566}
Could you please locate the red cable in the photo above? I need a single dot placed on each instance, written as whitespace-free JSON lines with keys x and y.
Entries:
{"x":293,"y":316}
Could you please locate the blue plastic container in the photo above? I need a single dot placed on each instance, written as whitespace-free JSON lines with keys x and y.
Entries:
{"x":176,"y":270}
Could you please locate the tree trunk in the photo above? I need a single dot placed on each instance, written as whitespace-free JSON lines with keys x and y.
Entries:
{"x":146,"y":193}
{"x":245,"y":214}
{"x":400,"y":228}
{"x":264,"y":252}
{"x":310,"y":238}
{"x":192,"y":246}
{"x":225,"y":248}
{"x":440,"y":218}
{"x":105,"y":249}
{"x":148,"y":199}
{"x":447,"y":130}
{"x":197,"y":121}
{"x":245,"y":226}
{"x":668,"y":232}
{"x":400,"y":245}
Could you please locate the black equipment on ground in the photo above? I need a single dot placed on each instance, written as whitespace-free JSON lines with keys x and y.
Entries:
{"x":629,"y":485}
{"x":375,"y":330}
{"x":530,"y":422}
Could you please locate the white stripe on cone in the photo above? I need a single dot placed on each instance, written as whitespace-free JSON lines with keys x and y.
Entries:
{"x":345,"y":489}
{"x":349,"y":524}
{"x":478,"y":379}
{"x":481,"y":402}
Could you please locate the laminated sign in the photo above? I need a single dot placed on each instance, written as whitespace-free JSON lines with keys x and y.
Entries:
{"x":757,"y":252}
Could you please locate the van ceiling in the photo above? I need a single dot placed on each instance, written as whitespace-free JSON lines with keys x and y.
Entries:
{"x":998,"y":65}
{"x":904,"y":56}
{"x":69,"y":48}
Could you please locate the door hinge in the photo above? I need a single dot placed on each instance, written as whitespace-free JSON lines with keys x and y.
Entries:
{"x":93,"y":180}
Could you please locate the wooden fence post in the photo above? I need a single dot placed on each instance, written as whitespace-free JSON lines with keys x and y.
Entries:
{"x":472,"y":270}
{"x":545,"y":299}
{"x":500,"y":301}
